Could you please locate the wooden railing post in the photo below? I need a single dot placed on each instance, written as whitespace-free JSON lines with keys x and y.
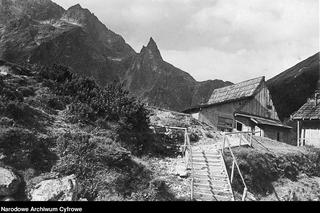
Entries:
{"x":235,"y":165}
{"x":244,"y":194}
{"x":232,"y":171}
{"x":191,"y":196}
{"x":223,"y":144}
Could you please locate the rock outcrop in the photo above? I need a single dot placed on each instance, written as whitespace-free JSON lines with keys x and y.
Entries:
{"x":61,"y":189}
{"x":9,"y":182}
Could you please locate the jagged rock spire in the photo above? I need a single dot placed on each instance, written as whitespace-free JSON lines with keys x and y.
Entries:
{"x":152,"y":49}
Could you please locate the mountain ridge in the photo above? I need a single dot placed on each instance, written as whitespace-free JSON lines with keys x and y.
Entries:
{"x":291,"y":88}
{"x":77,"y":39}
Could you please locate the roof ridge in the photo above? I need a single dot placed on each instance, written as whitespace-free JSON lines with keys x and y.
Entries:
{"x":241,"y":83}
{"x":233,"y":92}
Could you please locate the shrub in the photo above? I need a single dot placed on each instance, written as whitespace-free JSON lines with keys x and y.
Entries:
{"x":55,"y":103}
{"x":4,"y":121}
{"x":54,"y":73}
{"x":18,"y":110}
{"x":27,"y":91}
{"x":92,"y":104}
{"x":85,"y":156}
{"x":167,"y":145}
{"x":194,"y":137}
{"x":23,"y":150}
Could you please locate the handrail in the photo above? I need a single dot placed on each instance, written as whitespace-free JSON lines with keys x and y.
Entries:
{"x":235,"y":164}
{"x":242,"y":136}
{"x":235,"y":133}
{"x":190,"y":160}
{"x":187,"y":155}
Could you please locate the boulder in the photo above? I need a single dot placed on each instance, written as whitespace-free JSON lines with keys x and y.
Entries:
{"x":250,"y":197}
{"x":181,"y":170}
{"x":9,"y":182}
{"x":61,"y":189}
{"x":7,"y":199}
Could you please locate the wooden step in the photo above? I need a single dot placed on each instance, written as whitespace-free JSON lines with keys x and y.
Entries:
{"x":209,"y":173}
{"x":212,"y":197}
{"x":211,"y":187}
{"x":213,"y":191}
{"x":211,"y":179}
{"x":206,"y":153}
{"x":221,"y":183}
{"x":207,"y":160}
{"x":214,"y":187}
{"x":207,"y":164}
{"x":207,"y":168}
{"x":209,"y":176}
{"x":206,"y":157}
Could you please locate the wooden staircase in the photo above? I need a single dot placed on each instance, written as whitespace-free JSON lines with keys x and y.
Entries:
{"x":210,"y":180}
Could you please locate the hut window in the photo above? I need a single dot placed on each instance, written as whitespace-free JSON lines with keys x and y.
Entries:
{"x":278,"y":136}
{"x":239,"y":126}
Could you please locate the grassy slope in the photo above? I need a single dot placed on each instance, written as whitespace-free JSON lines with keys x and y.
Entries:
{"x":272,"y":170}
{"x":137,"y":180}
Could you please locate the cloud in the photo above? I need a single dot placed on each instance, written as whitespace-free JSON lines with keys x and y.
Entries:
{"x":217,"y":38}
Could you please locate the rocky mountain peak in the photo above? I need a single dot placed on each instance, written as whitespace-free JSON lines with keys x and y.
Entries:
{"x":34,"y":9}
{"x":78,"y":14}
{"x":152,"y":44}
{"x":151,"y":50}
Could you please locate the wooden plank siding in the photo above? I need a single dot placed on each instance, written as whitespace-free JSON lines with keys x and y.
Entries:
{"x":211,"y":114}
{"x":310,"y":133}
{"x":258,"y":105}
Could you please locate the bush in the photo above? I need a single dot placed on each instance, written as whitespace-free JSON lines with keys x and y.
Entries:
{"x":167,"y":145}
{"x":54,"y":73}
{"x":92,"y":104}
{"x":18,"y":110}
{"x":27,"y":91}
{"x":55,"y":103}
{"x":4,"y":121}
{"x":23,"y":150}
{"x":194,"y":137}
{"x":85,"y":156}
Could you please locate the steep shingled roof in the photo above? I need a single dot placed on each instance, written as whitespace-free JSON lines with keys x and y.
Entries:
{"x":309,"y":111}
{"x":245,"y":89}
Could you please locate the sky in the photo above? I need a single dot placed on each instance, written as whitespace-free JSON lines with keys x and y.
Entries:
{"x":232,"y":40}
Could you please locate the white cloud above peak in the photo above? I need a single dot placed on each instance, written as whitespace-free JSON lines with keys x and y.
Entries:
{"x":217,"y":38}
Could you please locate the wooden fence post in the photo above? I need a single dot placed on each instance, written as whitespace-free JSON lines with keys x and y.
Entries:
{"x":191,"y":189}
{"x":223,"y":144}
{"x":232,"y":171}
{"x":298,"y":133}
{"x":244,"y":194}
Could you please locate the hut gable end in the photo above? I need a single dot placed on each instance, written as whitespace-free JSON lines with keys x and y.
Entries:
{"x":260,"y":105}
{"x":236,"y":92}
